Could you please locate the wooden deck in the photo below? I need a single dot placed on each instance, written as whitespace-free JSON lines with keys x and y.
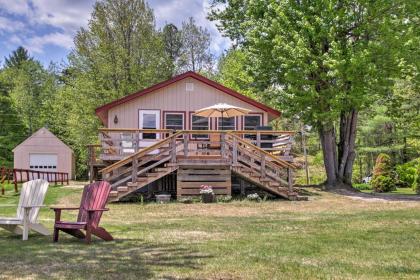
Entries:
{"x":197,"y":158}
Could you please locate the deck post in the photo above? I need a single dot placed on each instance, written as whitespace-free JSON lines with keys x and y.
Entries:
{"x":134,"y":171}
{"x":173,"y":149}
{"x":222,"y":144}
{"x":235,"y":151}
{"x":136,"y":142}
{"x":262,"y":165}
{"x":186,"y":144}
{"x":258,"y":139}
{"x":290,"y":179}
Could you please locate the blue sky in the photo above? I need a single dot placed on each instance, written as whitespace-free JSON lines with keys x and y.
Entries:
{"x":47,"y":27}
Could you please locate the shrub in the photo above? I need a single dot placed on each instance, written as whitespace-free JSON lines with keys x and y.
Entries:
{"x":362,"y":187}
{"x":253,"y":197}
{"x":384,"y":177}
{"x":224,"y":198}
{"x":409,"y":174}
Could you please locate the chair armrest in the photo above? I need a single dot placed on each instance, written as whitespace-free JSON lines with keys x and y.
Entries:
{"x":34,"y":206}
{"x":97,"y":210}
{"x":63,"y":208}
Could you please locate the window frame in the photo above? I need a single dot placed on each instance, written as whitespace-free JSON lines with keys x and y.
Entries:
{"x":235,"y":123}
{"x":191,"y":127}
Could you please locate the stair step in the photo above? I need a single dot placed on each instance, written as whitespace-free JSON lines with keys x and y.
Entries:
{"x":113,"y":193}
{"x":152,"y":174}
{"x":142,"y":179}
{"x":122,"y":189}
{"x":262,"y":179}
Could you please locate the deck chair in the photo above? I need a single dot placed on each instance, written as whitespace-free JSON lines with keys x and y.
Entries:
{"x":31,"y":199}
{"x":92,"y":205}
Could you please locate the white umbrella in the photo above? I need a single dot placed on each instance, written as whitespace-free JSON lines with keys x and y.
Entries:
{"x":222,"y":110}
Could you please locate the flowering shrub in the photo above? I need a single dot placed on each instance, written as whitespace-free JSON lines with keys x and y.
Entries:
{"x":253,"y":197}
{"x":204,"y":189}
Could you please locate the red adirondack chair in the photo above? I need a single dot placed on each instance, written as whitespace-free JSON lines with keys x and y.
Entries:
{"x":94,"y":198}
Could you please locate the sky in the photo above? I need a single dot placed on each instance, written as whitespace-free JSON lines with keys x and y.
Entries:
{"x":47,"y":27}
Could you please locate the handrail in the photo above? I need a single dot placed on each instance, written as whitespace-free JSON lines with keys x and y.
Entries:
{"x":281,"y":162}
{"x":135,"y":130}
{"x":196,"y":131}
{"x":139,"y":153}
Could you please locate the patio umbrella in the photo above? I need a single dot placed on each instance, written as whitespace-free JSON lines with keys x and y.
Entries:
{"x":222,"y":110}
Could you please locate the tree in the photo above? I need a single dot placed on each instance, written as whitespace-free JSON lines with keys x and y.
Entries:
{"x":120,"y":49}
{"x":195,"y":52}
{"x":384,"y":177}
{"x":323,"y":61}
{"x":172,"y":40}
{"x":17,"y":58}
{"x":233,"y":74}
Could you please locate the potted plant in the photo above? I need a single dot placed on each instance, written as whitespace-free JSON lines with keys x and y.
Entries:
{"x":207,"y":194}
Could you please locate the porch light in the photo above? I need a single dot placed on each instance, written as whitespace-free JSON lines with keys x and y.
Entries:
{"x":115,"y":119}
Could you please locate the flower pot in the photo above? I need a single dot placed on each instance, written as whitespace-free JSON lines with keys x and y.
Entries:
{"x":207,"y":197}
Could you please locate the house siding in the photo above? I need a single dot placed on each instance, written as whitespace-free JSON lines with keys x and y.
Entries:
{"x":175,"y":98}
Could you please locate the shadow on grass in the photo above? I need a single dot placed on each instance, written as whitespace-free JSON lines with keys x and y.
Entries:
{"x":69,"y":258}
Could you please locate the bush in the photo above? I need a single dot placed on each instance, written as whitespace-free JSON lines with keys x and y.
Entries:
{"x":409,"y":174}
{"x":362,"y":187}
{"x":384,"y":177}
{"x":224,"y":198}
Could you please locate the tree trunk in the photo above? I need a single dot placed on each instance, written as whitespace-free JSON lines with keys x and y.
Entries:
{"x":327,"y":136}
{"x":339,"y":157}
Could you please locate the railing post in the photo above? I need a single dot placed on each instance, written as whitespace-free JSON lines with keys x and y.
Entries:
{"x":235,"y":151}
{"x":262,"y":165}
{"x":290,"y":179}
{"x":136,"y":142}
{"x":134,"y":170}
{"x":258,"y":139}
{"x":222,"y":144}
{"x":173,"y":149}
{"x":186,"y":136}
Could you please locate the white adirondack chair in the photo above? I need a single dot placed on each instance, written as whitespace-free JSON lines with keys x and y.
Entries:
{"x":31,"y":199}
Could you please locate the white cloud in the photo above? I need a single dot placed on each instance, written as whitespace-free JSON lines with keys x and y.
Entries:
{"x":36,"y":44}
{"x":8,"y":25}
{"x":59,"y":20}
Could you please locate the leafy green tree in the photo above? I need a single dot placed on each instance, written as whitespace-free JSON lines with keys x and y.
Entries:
{"x":17,"y":58}
{"x":172,"y":40}
{"x":195,"y":54}
{"x":323,"y":61}
{"x":232,"y":73}
{"x":12,"y":129}
{"x":120,"y":49}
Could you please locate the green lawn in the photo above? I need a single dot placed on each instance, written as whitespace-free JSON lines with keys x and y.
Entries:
{"x":403,"y":191}
{"x":328,"y":237}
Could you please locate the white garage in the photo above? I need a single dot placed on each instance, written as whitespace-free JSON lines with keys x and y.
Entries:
{"x":43,"y":151}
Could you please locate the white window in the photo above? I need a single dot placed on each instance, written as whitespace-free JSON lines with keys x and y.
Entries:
{"x":200,"y":123}
{"x":174,"y":121}
{"x":226,"y":123}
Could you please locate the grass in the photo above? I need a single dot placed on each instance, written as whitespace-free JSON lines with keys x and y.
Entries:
{"x":398,"y":191}
{"x":328,"y":237}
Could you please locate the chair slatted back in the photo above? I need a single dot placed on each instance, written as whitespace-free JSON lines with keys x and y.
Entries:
{"x":94,"y":196}
{"x":32,"y":194}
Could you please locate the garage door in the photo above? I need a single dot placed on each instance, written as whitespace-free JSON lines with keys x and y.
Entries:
{"x":43,"y":162}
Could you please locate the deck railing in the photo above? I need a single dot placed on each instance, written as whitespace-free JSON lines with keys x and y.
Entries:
{"x":116,"y":144}
{"x":228,"y":146}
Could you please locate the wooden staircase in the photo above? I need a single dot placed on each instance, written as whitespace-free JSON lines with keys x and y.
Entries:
{"x":260,"y":168}
{"x":160,"y":159}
